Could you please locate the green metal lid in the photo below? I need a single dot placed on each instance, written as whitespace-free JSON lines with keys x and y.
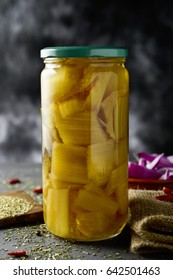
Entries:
{"x":83,"y":51}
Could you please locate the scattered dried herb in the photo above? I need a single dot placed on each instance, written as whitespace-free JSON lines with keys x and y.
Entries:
{"x":38,"y":233}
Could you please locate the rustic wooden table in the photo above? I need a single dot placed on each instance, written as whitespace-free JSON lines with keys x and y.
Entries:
{"x":42,"y":245}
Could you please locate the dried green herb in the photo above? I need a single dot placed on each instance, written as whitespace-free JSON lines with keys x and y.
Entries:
{"x":13,"y":206}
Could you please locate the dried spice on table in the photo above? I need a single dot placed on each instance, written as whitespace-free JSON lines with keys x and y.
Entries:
{"x":17,"y":253}
{"x":13,"y":206}
{"x":14,"y":181}
{"x":38,"y":189}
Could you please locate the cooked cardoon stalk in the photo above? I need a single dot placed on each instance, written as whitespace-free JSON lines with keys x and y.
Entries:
{"x":100,"y":159}
{"x":56,"y":183}
{"x":117,"y":179}
{"x":49,"y":131}
{"x":69,"y":163}
{"x":46,"y":172}
{"x":92,"y":224}
{"x":92,"y":187}
{"x":117,"y":185}
{"x":71,"y":106}
{"x":88,"y":201}
{"x":60,"y":83}
{"x":121,"y":117}
{"x":46,"y":165}
{"x":107,"y":113}
{"x":121,"y":152}
{"x":76,"y":103}
{"x":58,"y":211}
{"x":99,"y":90}
{"x":81,"y":128}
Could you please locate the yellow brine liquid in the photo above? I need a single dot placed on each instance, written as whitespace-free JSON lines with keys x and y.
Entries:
{"x":85,"y":146}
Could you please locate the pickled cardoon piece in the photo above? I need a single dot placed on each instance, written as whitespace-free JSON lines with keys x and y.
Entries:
{"x":69,"y":163}
{"x":82,"y":128}
{"x":100,"y":161}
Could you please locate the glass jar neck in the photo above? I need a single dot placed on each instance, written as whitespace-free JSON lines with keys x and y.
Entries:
{"x":52,"y":62}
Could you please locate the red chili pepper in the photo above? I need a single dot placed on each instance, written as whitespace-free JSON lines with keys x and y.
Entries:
{"x":17,"y":253}
{"x":38,"y":189}
{"x":13,"y":181}
{"x":167,"y":197}
{"x":167,"y":190}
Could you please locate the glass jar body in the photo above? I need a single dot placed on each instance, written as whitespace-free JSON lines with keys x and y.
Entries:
{"x":84,"y":108}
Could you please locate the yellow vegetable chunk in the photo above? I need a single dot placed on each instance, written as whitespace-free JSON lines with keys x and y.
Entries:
{"x":122,"y":84}
{"x":100,"y":159}
{"x":118,"y":185}
{"x":99,"y":90}
{"x":107,"y":113}
{"x":121,"y":151}
{"x":92,"y":187}
{"x":59,"y":83}
{"x":87,"y":81}
{"x":69,"y":163}
{"x":49,"y":131}
{"x":71,"y":106}
{"x":58,"y":211}
{"x":56,"y":183}
{"x":119,"y":81}
{"x":121,"y":117}
{"x":117,"y":179}
{"x":92,"y":224}
{"x":82,"y":128}
{"x":46,"y":165}
{"x":76,"y":103}
{"x":89,"y":201}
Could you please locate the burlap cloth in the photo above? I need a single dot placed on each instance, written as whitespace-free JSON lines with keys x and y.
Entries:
{"x":151,"y":222}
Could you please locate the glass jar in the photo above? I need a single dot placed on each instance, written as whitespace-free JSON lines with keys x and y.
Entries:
{"x":84,"y":109}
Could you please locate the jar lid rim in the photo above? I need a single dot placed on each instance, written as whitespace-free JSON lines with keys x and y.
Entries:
{"x":84,"y":51}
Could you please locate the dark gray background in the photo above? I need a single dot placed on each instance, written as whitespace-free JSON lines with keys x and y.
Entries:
{"x":145,"y":28}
